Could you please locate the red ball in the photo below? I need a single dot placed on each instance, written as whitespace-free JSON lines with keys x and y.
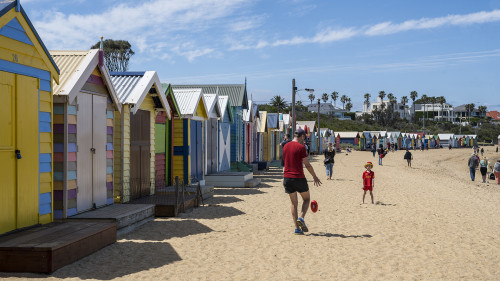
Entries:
{"x":314,"y":206}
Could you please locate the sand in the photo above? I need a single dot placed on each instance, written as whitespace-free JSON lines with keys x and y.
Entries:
{"x":430,"y":222}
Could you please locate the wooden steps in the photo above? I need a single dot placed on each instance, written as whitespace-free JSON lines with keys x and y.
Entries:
{"x":47,"y":248}
{"x":166,"y":205}
{"x":232,"y":179}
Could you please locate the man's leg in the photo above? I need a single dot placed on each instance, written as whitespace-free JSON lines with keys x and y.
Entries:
{"x":306,"y":197}
{"x":294,"y":200}
{"x":472,"y":173}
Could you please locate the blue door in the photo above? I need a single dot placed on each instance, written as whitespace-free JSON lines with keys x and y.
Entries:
{"x":196,"y":156}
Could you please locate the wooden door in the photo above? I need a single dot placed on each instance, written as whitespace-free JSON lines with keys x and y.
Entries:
{"x":99,"y":139}
{"x":211,"y":146}
{"x":19,"y":185}
{"x":224,"y":146}
{"x":196,"y":150}
{"x":140,"y":180}
{"x":84,"y":153}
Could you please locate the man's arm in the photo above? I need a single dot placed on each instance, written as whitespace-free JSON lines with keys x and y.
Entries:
{"x":309,"y":168}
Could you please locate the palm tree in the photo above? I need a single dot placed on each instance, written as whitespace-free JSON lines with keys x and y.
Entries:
{"x":335,"y":96}
{"x":390,"y":97}
{"x":441,"y":100}
{"x":348,"y":106}
{"x":278,"y":102}
{"x":404,"y":101}
{"x":470,"y":108}
{"x":311,"y":97}
{"x":343,"y":100}
{"x":324,"y":97}
{"x":367,"y":100}
{"x":482,"y":109}
{"x":413,"y":96}
{"x":433,"y":100}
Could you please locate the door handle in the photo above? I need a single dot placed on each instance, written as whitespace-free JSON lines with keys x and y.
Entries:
{"x":92,"y":150}
{"x":18,"y":154}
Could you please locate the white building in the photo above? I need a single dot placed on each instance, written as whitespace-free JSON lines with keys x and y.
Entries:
{"x":436,"y":111}
{"x":403,"y":110}
{"x":327,"y":108}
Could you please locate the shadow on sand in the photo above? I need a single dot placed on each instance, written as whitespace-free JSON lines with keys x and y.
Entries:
{"x":236,"y":191}
{"x":384,"y":204}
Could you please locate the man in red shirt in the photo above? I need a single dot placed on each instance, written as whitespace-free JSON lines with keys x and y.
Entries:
{"x":294,"y":180}
{"x":368,"y":180}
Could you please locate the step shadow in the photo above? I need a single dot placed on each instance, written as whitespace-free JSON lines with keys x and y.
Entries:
{"x":323,"y":234}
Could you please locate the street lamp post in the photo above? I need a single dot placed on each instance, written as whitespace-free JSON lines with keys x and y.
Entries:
{"x":319,"y":131}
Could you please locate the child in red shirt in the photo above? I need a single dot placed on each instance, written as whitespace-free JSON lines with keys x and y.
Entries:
{"x":368,"y":180}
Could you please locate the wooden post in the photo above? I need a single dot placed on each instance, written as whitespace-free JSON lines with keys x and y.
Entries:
{"x":176,"y":210}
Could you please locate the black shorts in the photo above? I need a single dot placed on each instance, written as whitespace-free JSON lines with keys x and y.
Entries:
{"x":483,"y":170}
{"x":295,"y":185}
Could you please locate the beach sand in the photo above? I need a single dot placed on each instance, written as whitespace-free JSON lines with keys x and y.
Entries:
{"x":430,"y":222}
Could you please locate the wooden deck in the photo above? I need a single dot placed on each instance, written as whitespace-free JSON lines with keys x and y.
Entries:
{"x":47,"y":248}
{"x":165,"y":205}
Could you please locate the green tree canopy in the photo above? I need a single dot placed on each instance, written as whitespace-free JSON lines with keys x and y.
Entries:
{"x":117,"y":54}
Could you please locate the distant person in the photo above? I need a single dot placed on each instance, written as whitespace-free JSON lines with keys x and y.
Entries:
{"x":286,"y":139}
{"x":473,"y":163}
{"x":482,"y":151}
{"x":294,"y":180}
{"x":381,"y":154}
{"x":329,"y":160}
{"x":497,"y":149}
{"x":449,"y":146}
{"x":496,"y":171}
{"x":368,"y":180}
{"x":374,"y":149}
{"x":408,"y":156}
{"x":483,"y":168}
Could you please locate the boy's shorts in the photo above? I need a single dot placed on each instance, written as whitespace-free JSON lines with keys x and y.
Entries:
{"x":367,"y":188}
{"x":295,"y":185}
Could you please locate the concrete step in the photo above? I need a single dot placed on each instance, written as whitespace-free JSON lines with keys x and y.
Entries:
{"x":207,"y":191}
{"x":127,"y":216}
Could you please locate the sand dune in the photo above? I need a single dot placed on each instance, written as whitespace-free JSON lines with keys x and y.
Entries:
{"x":430,"y":222}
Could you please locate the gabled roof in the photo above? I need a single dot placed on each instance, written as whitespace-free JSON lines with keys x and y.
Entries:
{"x":133,"y":87}
{"x":223,"y":102}
{"x":310,"y":124}
{"x":10,"y":9}
{"x":189,"y":100}
{"x":237,"y":93}
{"x":263,"y":122}
{"x":272,"y":121}
{"x":213,"y":108}
{"x":76,"y":68}
{"x":169,"y":95}
{"x":348,"y":135}
{"x":286,"y":119}
{"x":445,"y":136}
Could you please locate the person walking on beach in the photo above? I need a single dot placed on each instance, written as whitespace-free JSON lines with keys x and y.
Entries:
{"x":368,"y":180}
{"x":294,"y":180}
{"x":483,"y":167}
{"x":482,"y":151}
{"x":408,"y":156}
{"x":329,"y":160}
{"x":496,"y":170}
{"x":374,"y":149}
{"x":473,"y":163}
{"x":381,"y":154}
{"x":286,"y":139}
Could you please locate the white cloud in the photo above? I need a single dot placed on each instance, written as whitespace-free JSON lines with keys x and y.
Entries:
{"x":247,"y":23}
{"x":328,"y":35}
{"x":143,"y":24}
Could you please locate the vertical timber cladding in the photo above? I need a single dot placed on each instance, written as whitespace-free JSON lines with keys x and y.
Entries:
{"x":26,"y":73}
{"x":140,"y":181}
{"x":160,"y":150}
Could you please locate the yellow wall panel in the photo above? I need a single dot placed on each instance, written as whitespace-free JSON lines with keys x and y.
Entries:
{"x":178,"y":132}
{"x":45,"y":148}
{"x":96,"y":72}
{"x":44,"y":219}
{"x":45,"y":96}
{"x":200,"y":110}
{"x":45,"y":137}
{"x":147,"y":103}
{"x":71,"y":184}
{"x":109,"y":122}
{"x":46,"y":177}
{"x":45,"y":106}
{"x":45,"y":187}
{"x":20,"y":49}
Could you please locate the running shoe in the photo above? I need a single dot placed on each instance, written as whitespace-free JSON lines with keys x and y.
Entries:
{"x":299,"y":231}
{"x":302,"y":225}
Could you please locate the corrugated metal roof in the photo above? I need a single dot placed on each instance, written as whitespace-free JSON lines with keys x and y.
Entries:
{"x":223,"y":103}
{"x":272,"y":120}
{"x":236,"y":92}
{"x":125,"y":84}
{"x":213,"y":108}
{"x":348,"y":135}
{"x":68,"y":63}
{"x":187,"y":100}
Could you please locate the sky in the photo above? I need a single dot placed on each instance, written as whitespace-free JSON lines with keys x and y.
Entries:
{"x":447,"y":48}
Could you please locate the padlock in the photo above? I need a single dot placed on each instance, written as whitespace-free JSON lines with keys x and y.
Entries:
{"x":18,"y":154}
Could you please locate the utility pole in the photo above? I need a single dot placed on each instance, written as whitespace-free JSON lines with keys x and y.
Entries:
{"x":319,"y":131}
{"x":293,"y":106}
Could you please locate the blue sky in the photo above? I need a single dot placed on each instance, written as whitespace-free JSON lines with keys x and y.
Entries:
{"x":438,"y":48}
